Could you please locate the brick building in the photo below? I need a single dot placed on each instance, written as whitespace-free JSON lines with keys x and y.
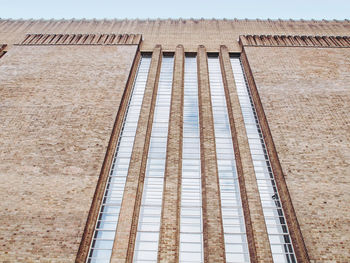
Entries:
{"x":174,"y":140}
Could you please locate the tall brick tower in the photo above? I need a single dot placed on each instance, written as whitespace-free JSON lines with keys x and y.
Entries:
{"x":174,"y":141}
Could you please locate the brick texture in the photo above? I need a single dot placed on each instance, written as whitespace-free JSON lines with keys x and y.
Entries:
{"x":213,"y":236}
{"x":169,"y":233}
{"x":58,"y":107}
{"x":305,"y":96}
{"x":295,"y":41}
{"x":106,"y":167}
{"x":81,"y":39}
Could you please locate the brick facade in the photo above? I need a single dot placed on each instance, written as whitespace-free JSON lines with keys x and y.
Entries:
{"x":64,"y":90}
{"x":58,"y":106}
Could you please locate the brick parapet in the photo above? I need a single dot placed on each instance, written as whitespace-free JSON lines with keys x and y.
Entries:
{"x":81,"y":39}
{"x":169,"y":232}
{"x":258,"y":241}
{"x":170,"y":32}
{"x":294,"y":41}
{"x":123,"y":247}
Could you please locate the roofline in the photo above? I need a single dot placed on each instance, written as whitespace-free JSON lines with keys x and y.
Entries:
{"x":180,"y":20}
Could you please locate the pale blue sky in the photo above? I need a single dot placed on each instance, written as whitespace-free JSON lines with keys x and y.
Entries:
{"x":296,"y":9}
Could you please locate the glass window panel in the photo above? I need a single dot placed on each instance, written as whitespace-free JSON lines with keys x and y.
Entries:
{"x":148,"y":226}
{"x":230,"y":257}
{"x":110,"y":209}
{"x":103,"y":234}
{"x":191,"y":256}
{"x":106,"y":225}
{"x":146,"y":245}
{"x":147,"y":236}
{"x":103,"y":244}
{"x":235,"y":248}
{"x":149,"y":219}
{"x":145,"y":255}
{"x":279,"y":258}
{"x":101,"y":253}
{"x":191,"y":247}
{"x":193,"y":211}
{"x":190,"y":220}
{"x":191,"y":228}
{"x":277,"y":249}
{"x":108,"y":217}
{"x":235,"y":238}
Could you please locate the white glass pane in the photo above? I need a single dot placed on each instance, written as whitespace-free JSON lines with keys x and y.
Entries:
{"x":100,"y":253}
{"x":145,"y":255}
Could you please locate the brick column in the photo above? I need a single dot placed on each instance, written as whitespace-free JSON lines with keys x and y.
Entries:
{"x":123,"y":248}
{"x":169,"y":232}
{"x":214,"y":247}
{"x":258,"y":241}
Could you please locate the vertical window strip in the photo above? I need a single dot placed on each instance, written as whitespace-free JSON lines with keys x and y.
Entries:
{"x":281,"y":244}
{"x":104,"y":235}
{"x":191,"y":226}
{"x":147,"y":237}
{"x":236,"y":246}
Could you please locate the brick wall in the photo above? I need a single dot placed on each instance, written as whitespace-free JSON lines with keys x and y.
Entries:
{"x":58,"y":107}
{"x":306,"y":99}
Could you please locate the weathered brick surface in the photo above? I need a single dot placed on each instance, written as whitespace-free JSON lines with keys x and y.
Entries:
{"x":58,"y":107}
{"x":169,"y":33}
{"x":169,"y":233}
{"x":305,"y":94}
{"x":213,"y":236}
{"x":288,"y":209}
{"x":258,"y":240}
{"x":123,"y":247}
{"x":59,"y":104}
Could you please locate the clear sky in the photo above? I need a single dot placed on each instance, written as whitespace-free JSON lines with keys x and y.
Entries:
{"x":295,"y":9}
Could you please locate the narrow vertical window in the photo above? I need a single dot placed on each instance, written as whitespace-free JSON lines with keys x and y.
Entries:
{"x":236,"y":246}
{"x":191,"y":227}
{"x":147,"y":238}
{"x":103,"y":238}
{"x":281,"y":244}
